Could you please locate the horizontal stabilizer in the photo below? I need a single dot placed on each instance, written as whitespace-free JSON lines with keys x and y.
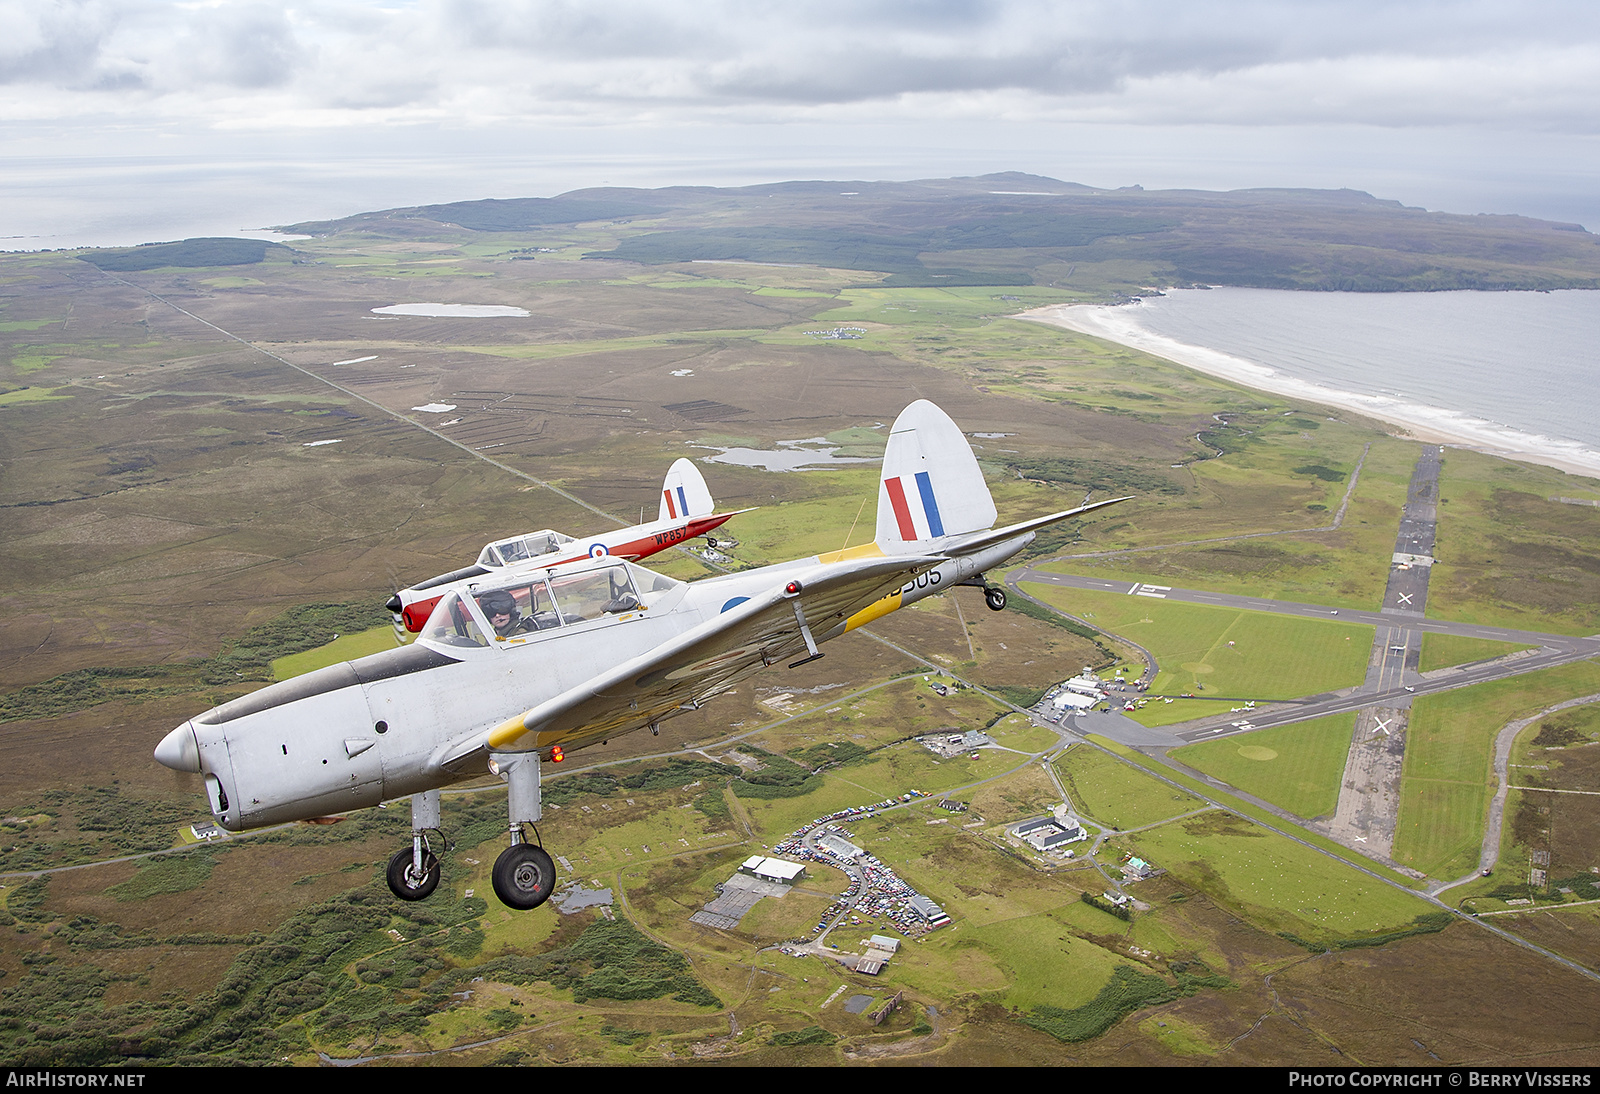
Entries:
{"x":964,"y":545}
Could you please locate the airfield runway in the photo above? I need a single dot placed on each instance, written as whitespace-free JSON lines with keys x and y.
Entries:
{"x":1393,"y":676}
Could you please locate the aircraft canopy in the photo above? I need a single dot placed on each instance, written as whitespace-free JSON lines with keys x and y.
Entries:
{"x":507,"y":552}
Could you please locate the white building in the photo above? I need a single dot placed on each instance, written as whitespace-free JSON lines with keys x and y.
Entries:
{"x":840,"y":846}
{"x":1087,"y":684}
{"x":779,"y":870}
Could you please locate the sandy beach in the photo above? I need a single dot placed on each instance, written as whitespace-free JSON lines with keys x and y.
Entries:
{"x":1430,"y":424}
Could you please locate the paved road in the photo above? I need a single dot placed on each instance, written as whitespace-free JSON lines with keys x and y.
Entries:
{"x":1489,"y":854}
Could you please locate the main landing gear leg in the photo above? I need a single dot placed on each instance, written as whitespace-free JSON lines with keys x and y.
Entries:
{"x":993,"y":595}
{"x":414,"y":871}
{"x":524,"y":875}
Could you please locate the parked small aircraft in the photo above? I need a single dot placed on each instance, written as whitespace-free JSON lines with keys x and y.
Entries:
{"x":585,"y":651}
{"x":684,"y":513}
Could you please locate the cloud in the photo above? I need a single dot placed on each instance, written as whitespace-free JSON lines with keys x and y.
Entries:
{"x":236,"y":45}
{"x":57,"y":43}
{"x":235,"y":62}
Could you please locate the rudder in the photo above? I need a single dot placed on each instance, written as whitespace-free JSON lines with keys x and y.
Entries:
{"x":684,"y":493}
{"x":931,"y":485}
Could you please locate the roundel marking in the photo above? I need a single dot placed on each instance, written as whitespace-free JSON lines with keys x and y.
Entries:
{"x":734,"y":603}
{"x":598,"y":550}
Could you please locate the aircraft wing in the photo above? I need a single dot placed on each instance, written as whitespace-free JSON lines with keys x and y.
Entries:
{"x":961,"y":545}
{"x":702,"y":662}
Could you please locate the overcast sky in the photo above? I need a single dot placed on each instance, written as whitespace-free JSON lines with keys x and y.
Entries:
{"x":1470,"y":107}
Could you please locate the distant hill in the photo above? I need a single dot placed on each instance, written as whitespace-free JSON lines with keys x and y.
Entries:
{"x":1019,"y":229}
{"x":211,"y":251}
{"x":501,"y":215}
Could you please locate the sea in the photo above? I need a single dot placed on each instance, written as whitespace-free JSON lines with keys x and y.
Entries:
{"x":1515,"y":373}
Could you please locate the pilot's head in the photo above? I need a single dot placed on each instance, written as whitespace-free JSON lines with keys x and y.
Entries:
{"x":500,"y":608}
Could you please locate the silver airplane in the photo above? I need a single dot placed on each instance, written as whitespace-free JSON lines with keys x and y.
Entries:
{"x":517,"y":670}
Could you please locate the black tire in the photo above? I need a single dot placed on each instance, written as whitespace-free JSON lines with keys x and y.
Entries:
{"x":524,"y":876}
{"x":404,"y":883}
{"x":996,"y":599}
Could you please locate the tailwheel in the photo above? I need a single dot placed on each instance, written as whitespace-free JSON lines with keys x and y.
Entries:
{"x":409,"y":883}
{"x":995,"y":597}
{"x":524,"y":876}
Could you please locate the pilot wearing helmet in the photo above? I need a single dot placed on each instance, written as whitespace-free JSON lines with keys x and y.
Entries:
{"x":500,"y":608}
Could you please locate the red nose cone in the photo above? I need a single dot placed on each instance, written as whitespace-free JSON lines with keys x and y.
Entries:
{"x":417,"y":614}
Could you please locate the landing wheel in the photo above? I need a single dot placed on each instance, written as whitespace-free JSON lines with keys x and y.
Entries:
{"x":406,"y":883}
{"x":524,"y":876}
{"x":995,"y":597}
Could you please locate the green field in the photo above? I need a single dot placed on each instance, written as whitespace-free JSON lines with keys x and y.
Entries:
{"x":1441,"y":651}
{"x":1448,"y":775}
{"x":1263,"y":817}
{"x":33,"y":395}
{"x":1273,"y":880}
{"x":1296,"y":767}
{"x":1109,"y":792}
{"x":1044,"y":963}
{"x":347,"y":647}
{"x":1019,"y":733}
{"x":1226,"y":653}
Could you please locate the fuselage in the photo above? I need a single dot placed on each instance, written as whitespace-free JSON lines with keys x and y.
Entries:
{"x":416,"y":604}
{"x":366,"y":731}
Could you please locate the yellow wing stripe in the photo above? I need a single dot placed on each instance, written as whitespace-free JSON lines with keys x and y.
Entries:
{"x":878,"y":608}
{"x":506,"y":732}
{"x":850,"y":554}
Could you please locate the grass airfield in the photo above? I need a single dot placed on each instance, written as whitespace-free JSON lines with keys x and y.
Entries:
{"x":1238,"y":655}
{"x":166,"y":493}
{"x":1296,"y":767}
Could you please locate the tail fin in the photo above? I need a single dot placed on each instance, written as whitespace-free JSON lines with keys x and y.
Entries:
{"x":684,"y":493}
{"x":931,"y":486}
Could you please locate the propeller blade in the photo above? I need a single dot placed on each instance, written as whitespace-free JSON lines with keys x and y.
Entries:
{"x":401,"y":635}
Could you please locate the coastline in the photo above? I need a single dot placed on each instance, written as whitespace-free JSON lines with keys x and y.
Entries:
{"x":1421,"y":423}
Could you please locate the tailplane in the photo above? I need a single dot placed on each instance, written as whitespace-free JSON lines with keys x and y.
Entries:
{"x":684,"y":493}
{"x":931,"y":486}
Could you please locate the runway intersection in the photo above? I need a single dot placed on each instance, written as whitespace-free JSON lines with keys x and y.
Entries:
{"x":1369,"y":796}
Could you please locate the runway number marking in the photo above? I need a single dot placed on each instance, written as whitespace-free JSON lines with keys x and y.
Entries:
{"x":1158,"y":591}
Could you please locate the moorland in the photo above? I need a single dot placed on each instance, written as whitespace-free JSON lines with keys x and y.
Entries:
{"x":216,"y":468}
